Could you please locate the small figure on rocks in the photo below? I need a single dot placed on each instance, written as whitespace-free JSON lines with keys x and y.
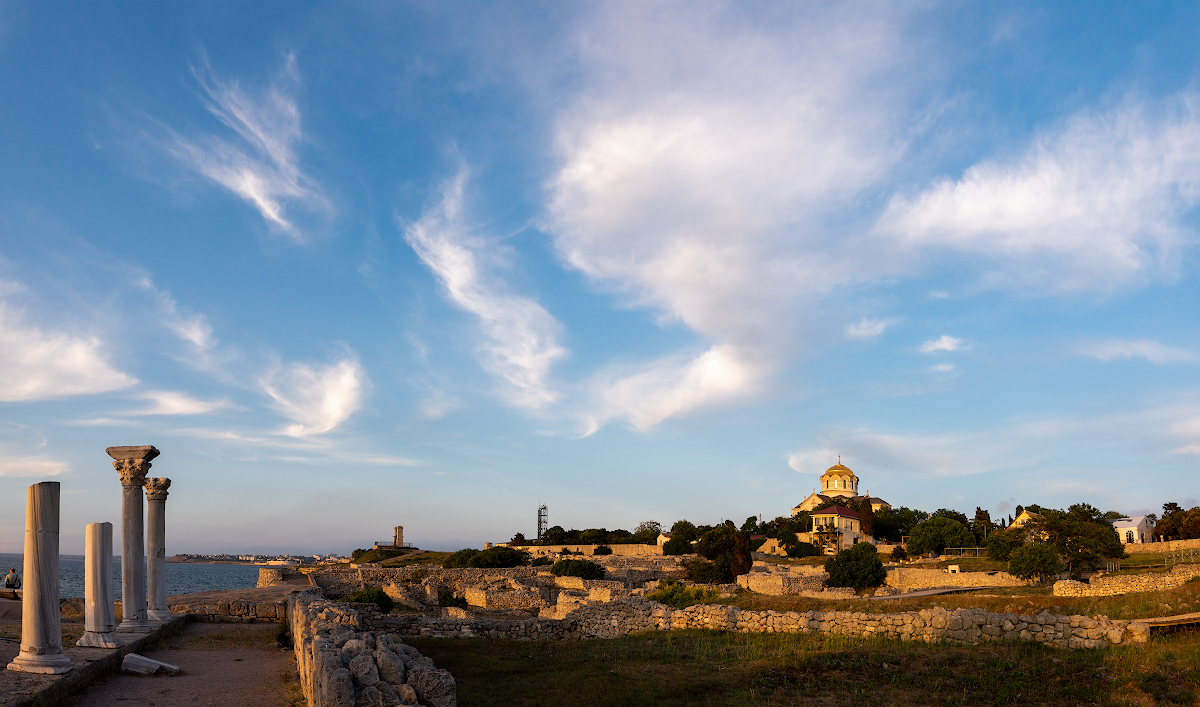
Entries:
{"x":12,"y":580}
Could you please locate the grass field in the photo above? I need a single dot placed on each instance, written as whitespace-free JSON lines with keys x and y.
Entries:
{"x":714,"y":668}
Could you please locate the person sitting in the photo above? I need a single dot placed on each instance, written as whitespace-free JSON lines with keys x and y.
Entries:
{"x":12,"y":580}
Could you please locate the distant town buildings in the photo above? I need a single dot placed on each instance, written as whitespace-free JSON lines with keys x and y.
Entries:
{"x":1138,"y":529}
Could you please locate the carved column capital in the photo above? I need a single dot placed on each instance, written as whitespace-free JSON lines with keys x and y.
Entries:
{"x":156,"y":488}
{"x":133,"y":471}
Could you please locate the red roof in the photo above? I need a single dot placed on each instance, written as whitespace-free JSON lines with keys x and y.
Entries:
{"x":837,"y":510}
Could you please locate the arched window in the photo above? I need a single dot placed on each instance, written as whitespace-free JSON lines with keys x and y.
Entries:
{"x":1128,"y":536}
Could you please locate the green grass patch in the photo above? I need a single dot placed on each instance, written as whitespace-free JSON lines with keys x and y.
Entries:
{"x":427,"y":557}
{"x":715,"y":668}
{"x":679,"y":596}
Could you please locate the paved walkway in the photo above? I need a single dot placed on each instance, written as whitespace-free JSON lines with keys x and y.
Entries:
{"x":932,"y":592}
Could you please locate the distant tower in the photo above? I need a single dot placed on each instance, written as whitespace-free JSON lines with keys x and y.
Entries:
{"x":541,"y":521}
{"x":398,"y":539}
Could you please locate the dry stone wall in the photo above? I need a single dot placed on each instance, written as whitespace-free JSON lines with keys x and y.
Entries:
{"x":232,"y":611}
{"x":914,"y":578}
{"x":1126,"y":584}
{"x":344,"y":664}
{"x":1141,"y":548}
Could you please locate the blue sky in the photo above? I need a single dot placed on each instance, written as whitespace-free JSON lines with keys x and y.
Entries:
{"x":363,"y":265}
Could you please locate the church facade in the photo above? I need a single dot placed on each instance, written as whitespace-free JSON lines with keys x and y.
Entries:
{"x":838,"y":485}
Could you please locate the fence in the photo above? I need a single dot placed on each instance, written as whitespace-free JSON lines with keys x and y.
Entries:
{"x":1185,"y":555}
{"x":965,"y":552}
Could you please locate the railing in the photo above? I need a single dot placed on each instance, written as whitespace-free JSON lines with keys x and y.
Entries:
{"x":965,"y":552}
{"x":1183,"y":555}
{"x":392,"y":544}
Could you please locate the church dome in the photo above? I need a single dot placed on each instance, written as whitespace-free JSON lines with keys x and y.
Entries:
{"x":836,"y":468}
{"x":839,"y":480}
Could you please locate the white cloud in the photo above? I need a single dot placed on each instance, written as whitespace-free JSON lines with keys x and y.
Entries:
{"x":942,"y":368}
{"x":36,"y":364}
{"x":194,"y":329}
{"x":166,"y":402}
{"x":701,"y":167}
{"x":29,"y":466}
{"x":261,"y":166}
{"x":520,"y":336}
{"x":1094,"y":205}
{"x":944,"y":343}
{"x":868,"y":328}
{"x":317,"y":400}
{"x":813,"y":461}
{"x":670,"y":387}
{"x":1147,"y":349}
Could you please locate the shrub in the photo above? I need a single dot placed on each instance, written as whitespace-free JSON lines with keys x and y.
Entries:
{"x":497,"y":557}
{"x":799,"y":549}
{"x":1001,"y":544}
{"x":677,"y":545}
{"x":1037,"y":561}
{"x":462,"y":558}
{"x":602,"y":550}
{"x":703,"y":571}
{"x":857,"y":567}
{"x":899,"y":553}
{"x":584,"y":569}
{"x":372,"y":596}
{"x":540,"y":561}
{"x":678,"y":596}
{"x":740,"y":562}
{"x":446,"y":598}
{"x":939,"y":533}
{"x":357,"y":554}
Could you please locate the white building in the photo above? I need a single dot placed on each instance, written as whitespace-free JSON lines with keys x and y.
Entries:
{"x":1139,"y":529}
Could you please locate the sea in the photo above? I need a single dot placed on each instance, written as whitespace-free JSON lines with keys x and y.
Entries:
{"x":182,"y":577}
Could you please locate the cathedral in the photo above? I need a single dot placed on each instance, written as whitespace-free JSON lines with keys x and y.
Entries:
{"x":838,"y":484}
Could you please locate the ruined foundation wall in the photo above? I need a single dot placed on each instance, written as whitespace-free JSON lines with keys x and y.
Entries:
{"x":913,"y":578}
{"x":1125,"y":584}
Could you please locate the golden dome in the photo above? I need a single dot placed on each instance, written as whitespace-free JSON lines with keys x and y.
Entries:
{"x":836,"y":468}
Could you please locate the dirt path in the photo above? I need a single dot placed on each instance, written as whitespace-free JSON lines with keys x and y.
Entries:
{"x":223,"y":665}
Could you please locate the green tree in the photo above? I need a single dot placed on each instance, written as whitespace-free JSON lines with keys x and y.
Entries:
{"x":981,"y":526}
{"x":741,"y":561}
{"x":1037,"y":561}
{"x":677,"y":545}
{"x":462,"y":558}
{"x":704,"y":571}
{"x":1081,"y":534}
{"x":1002,"y":542}
{"x":647,"y":532}
{"x":937,"y":534}
{"x":497,"y":557}
{"x":866,"y":518}
{"x":899,"y":553}
{"x":858,"y":566}
{"x":951,"y":513}
{"x":894,"y":523}
{"x":684,"y":529}
{"x":584,"y":569}
{"x":750,"y":526}
{"x":802,"y":549}
{"x":554,"y":535}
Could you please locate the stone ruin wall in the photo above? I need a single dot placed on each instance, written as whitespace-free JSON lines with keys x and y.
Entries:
{"x":618,"y":550}
{"x":269,"y":577}
{"x":635,"y":615}
{"x":342,"y":663}
{"x":913,"y":578}
{"x":1142,"y":548}
{"x":1125,"y":584}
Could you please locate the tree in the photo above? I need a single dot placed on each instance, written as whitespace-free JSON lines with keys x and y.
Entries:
{"x":517,"y":539}
{"x":497,"y":557}
{"x":858,"y":566}
{"x":554,"y":535}
{"x":684,"y":529}
{"x":647,"y":532}
{"x":951,"y":513}
{"x":1037,"y":561}
{"x":1001,"y":543}
{"x":750,"y":526}
{"x":894,"y":523}
{"x":801,"y":549}
{"x":899,"y":553}
{"x":741,"y":562}
{"x":866,"y":518}
{"x":939,"y":533}
{"x":677,"y":545}
{"x":981,"y":526}
{"x":1081,"y":535}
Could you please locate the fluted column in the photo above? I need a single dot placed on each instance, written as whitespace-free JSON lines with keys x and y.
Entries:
{"x":99,"y":618}
{"x":132,"y":463}
{"x":41,"y":630}
{"x":156,"y":549}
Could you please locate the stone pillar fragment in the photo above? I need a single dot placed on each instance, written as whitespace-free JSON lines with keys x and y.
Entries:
{"x":156,"y":549}
{"x":41,"y":629}
{"x":99,"y":616}
{"x":132,"y":463}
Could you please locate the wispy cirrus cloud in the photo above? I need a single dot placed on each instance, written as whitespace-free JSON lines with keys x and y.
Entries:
{"x":258,"y":163}
{"x":1147,"y":349}
{"x":520,"y":337}
{"x":944,"y":343}
{"x":31,"y":466}
{"x":868,"y":328}
{"x":316,"y":399}
{"x":37,"y":364}
{"x":169,"y":402}
{"x":1093,"y":205}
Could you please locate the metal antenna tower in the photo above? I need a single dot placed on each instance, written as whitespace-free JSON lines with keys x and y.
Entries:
{"x":542,"y":525}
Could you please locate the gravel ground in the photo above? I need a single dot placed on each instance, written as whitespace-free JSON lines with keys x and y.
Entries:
{"x":223,"y":665}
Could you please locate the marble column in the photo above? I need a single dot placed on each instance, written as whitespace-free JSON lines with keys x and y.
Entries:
{"x":132,"y":463}
{"x":41,"y":630}
{"x":99,"y":617}
{"x":156,"y":549}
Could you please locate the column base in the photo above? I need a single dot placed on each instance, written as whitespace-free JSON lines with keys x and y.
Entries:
{"x":93,"y":639}
{"x":158,"y":615}
{"x":134,"y":626}
{"x":44,"y":664}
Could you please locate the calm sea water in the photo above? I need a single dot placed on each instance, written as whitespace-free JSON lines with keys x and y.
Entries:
{"x":181,"y":578}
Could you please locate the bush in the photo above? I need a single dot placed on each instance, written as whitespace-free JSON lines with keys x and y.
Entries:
{"x":446,"y":598}
{"x":357,"y":554}
{"x":1037,"y":561}
{"x":372,"y":596}
{"x":716,"y":571}
{"x":899,"y":553}
{"x":799,"y":549}
{"x":857,"y":567}
{"x":602,"y":550}
{"x":497,"y":557}
{"x":541,"y":561}
{"x":677,"y":545}
{"x":462,"y":558}
{"x":1001,"y":544}
{"x":674,"y":594}
{"x":939,"y":533}
{"x":584,"y":569}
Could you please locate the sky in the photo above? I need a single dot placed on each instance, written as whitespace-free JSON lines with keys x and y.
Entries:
{"x":430,"y":264}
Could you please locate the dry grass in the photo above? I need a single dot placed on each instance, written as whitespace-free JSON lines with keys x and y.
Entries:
{"x":712,"y":668}
{"x":426,"y":558}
